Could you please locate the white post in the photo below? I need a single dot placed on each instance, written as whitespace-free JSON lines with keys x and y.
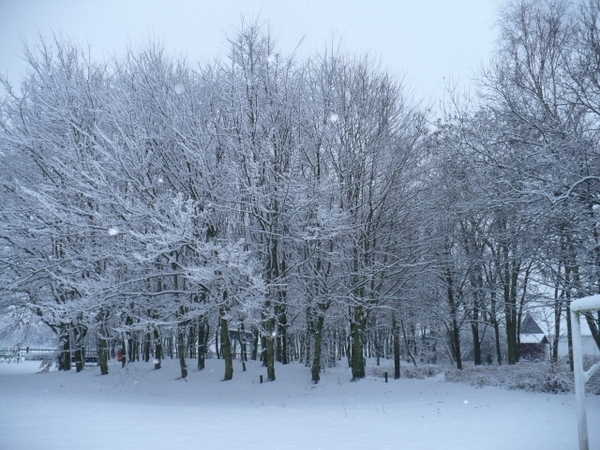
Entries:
{"x":579,"y":382}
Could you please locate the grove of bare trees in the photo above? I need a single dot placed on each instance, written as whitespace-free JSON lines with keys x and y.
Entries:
{"x":269,"y":207}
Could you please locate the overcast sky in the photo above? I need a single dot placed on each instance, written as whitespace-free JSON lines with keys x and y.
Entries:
{"x":428,"y":40}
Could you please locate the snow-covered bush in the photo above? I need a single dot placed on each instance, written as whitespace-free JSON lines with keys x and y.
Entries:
{"x":407,"y":371}
{"x":420,"y":372}
{"x":530,"y":377}
{"x":553,"y":383}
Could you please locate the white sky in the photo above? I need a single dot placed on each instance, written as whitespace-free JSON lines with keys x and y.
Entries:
{"x":428,"y":40}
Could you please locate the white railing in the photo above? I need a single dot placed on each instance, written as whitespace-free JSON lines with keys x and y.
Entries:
{"x":578,"y":307}
{"x":10,"y":355}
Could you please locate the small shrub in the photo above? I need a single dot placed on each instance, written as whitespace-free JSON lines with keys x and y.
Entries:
{"x":378,"y":371}
{"x":408,"y":371}
{"x":593,"y":385}
{"x":420,"y":372}
{"x":557,"y":383}
{"x":526,"y":376}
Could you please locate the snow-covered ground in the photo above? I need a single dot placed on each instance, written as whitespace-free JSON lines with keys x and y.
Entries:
{"x":141,"y":408}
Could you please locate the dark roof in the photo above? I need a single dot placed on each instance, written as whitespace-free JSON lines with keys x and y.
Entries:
{"x":530,"y":326}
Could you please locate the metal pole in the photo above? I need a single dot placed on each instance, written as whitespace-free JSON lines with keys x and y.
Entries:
{"x":579,"y":382}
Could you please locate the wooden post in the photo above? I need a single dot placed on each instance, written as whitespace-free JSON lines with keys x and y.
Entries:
{"x":386,"y":376}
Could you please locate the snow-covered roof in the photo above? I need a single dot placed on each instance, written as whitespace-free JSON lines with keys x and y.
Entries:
{"x":533,"y":339}
{"x":531,"y":333}
{"x":530,"y":326}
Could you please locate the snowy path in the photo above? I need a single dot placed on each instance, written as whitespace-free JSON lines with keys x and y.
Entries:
{"x":139,"y":408}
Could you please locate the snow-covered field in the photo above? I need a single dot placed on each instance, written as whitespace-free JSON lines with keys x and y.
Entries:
{"x":140,"y":408}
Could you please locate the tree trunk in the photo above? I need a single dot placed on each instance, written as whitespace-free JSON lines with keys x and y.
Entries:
{"x":270,"y":349}
{"x":202,"y":338}
{"x":309,"y":341}
{"x":356,"y":330}
{"x":218,"y":342}
{"x":589,"y":318}
{"x":510,"y":311}
{"x":254,"y":353}
{"x":181,"y":347}
{"x":455,"y":331}
{"x":455,"y":343}
{"x":496,"y":325}
{"x":158,"y":350}
{"x":396,"y":337}
{"x":475,"y":318}
{"x":570,"y":334}
{"x":103,"y":355}
{"x":79,"y":359}
{"x":378,"y":347}
{"x":476,"y":342}
{"x":64,"y":344}
{"x":409,"y":351}
{"x":242,"y":340}
{"x":226,"y":348}
{"x":316,"y":361}
{"x":147,"y":344}
{"x":282,"y":326}
{"x":124,"y":354}
{"x":567,"y":291}
{"x":557,"y":317}
{"x":79,"y":333}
